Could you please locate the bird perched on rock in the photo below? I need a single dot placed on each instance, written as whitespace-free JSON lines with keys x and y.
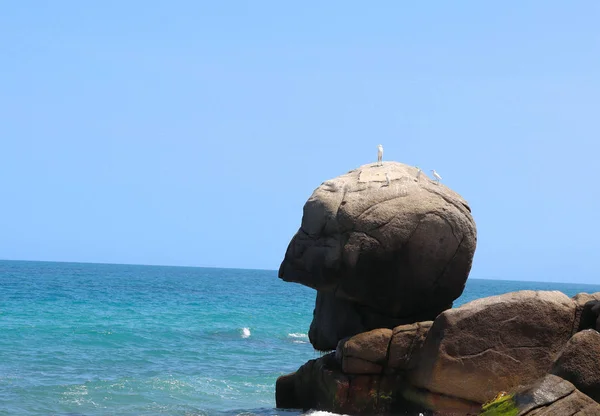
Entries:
{"x":436,"y":175}
{"x":387,"y":179}
{"x":418,"y":173}
{"x":380,"y":154}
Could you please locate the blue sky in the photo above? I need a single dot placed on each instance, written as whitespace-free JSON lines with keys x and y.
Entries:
{"x":192,"y":133}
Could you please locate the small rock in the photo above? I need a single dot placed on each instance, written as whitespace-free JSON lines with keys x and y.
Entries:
{"x":579,"y":363}
{"x":547,"y":396}
{"x":365,"y":353}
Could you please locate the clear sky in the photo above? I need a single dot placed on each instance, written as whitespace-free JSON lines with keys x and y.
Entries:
{"x":192,"y":132}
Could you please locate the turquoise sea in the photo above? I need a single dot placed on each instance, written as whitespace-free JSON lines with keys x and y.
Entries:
{"x":99,"y":339}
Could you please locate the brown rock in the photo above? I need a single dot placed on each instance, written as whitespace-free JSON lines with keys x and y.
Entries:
{"x":579,"y":363}
{"x":440,"y":404}
{"x":336,"y":318}
{"x":365,"y":353}
{"x":587,"y":314}
{"x":398,"y":253}
{"x":319,"y":384}
{"x":576,"y":404}
{"x":407,"y":341}
{"x":315,"y":385}
{"x":547,"y":396}
{"x":493,"y":344}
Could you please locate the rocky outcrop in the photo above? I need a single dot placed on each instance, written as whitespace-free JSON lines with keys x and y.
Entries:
{"x":579,"y":362}
{"x":494,"y":344}
{"x":548,"y":396}
{"x":382,"y":351}
{"x":320,"y":384}
{"x":460,"y":360}
{"x":384,"y":253}
{"x":388,"y":252}
{"x":587,"y":315}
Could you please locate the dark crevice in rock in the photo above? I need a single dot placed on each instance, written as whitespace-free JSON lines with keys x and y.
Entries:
{"x":372,"y":207}
{"x":337,"y":212}
{"x":412,"y":345}
{"x":576,"y":320}
{"x":461,"y":206}
{"x":386,"y":363}
{"x":451,"y":261}
{"x":449,"y":225}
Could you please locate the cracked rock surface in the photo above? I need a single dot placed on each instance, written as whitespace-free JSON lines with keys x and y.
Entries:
{"x":386,"y":253}
{"x":493,"y":344}
{"x":579,"y":362}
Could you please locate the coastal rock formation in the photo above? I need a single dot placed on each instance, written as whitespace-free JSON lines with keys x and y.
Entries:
{"x":383,"y":246}
{"x":382,"y":350}
{"x":588,"y":311}
{"x":320,"y":384}
{"x":579,"y":363}
{"x":388,"y":251}
{"x":459,"y":361}
{"x":547,"y":396}
{"x":493,"y":344}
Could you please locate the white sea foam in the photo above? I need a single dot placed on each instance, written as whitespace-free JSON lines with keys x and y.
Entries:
{"x":245,"y":332}
{"x":297,"y":335}
{"x":322,"y":413}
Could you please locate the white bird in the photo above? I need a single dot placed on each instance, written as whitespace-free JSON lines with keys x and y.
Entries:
{"x":436,"y":175}
{"x":380,"y":154}
{"x":387,"y":179}
{"x":418,"y":173}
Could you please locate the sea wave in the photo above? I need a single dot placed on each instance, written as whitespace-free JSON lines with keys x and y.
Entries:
{"x":245,"y":332}
{"x":297,"y":335}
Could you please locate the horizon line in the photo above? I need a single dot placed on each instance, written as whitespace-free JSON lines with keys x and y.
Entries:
{"x":259,"y":269}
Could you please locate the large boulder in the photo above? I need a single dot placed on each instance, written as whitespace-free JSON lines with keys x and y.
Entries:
{"x":548,"y":396}
{"x":579,"y":362}
{"x":391,"y":250}
{"x":493,"y":344}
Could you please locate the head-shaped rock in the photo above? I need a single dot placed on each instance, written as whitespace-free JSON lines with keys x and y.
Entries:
{"x":380,"y":256}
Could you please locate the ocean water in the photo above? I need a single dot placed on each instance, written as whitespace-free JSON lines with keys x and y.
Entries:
{"x":96,"y":339}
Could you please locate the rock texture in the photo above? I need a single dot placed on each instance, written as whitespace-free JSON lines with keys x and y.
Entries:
{"x":494,"y":344}
{"x":588,"y":311}
{"x":548,"y":396}
{"x":579,"y":363}
{"x":406,"y":344}
{"x":387,"y":254}
{"x":462,"y":359}
{"x":320,"y":384}
{"x":382,"y":350}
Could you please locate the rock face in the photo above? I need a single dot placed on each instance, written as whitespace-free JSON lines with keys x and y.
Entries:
{"x":494,"y":344}
{"x":319,"y":384}
{"x":579,"y":363}
{"x":588,"y":311}
{"x":461,"y":360}
{"x":548,"y":396}
{"x":382,"y":350}
{"x":382,"y":253}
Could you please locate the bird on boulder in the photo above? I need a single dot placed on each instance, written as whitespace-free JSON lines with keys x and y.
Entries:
{"x":436,"y":175}
{"x":379,"y":155}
